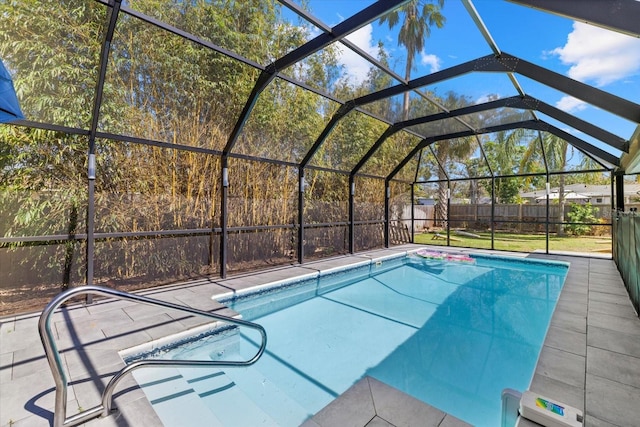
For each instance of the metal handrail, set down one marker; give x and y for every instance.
(53, 355)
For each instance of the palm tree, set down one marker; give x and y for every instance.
(417, 18)
(555, 151)
(447, 152)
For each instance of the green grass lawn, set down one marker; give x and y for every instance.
(522, 242)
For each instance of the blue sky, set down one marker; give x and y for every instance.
(602, 58)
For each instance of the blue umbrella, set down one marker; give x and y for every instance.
(9, 106)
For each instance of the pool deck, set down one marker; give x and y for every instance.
(590, 359)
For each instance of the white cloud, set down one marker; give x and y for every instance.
(568, 130)
(570, 104)
(599, 55)
(355, 67)
(572, 131)
(432, 61)
(487, 98)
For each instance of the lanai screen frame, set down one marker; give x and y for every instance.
(498, 62)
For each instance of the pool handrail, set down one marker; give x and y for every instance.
(104, 408)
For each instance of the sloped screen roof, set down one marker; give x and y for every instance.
(330, 84)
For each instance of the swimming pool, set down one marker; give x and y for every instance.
(451, 334)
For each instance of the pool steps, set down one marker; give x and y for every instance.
(206, 394)
(202, 397)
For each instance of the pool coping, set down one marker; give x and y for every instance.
(590, 359)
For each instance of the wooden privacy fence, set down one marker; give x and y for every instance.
(424, 217)
(478, 216)
(518, 212)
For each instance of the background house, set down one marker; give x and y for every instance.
(585, 193)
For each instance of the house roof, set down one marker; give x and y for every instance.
(588, 190)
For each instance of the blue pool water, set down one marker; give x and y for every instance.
(451, 334)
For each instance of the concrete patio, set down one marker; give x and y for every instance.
(590, 359)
